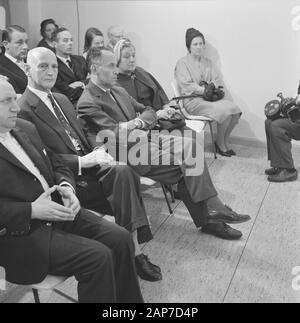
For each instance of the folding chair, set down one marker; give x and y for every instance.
(150, 182)
(191, 117)
(50, 283)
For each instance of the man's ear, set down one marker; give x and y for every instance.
(27, 69)
(4, 43)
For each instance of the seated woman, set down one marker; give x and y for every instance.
(48, 26)
(190, 72)
(139, 83)
(93, 38)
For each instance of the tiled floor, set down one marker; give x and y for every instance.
(200, 268)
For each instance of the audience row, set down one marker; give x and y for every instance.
(68, 100)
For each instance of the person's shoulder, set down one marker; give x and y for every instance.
(120, 90)
(78, 58)
(87, 96)
(62, 97)
(26, 126)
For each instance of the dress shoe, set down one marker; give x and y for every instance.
(283, 176)
(231, 152)
(146, 270)
(272, 171)
(221, 152)
(228, 217)
(221, 230)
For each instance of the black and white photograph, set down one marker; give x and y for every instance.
(149, 154)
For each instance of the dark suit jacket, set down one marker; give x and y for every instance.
(157, 97)
(15, 74)
(43, 43)
(66, 76)
(52, 133)
(24, 250)
(100, 112)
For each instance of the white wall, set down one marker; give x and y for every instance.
(253, 42)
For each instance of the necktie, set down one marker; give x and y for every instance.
(66, 125)
(70, 64)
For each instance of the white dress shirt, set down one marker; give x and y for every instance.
(65, 61)
(12, 145)
(20, 63)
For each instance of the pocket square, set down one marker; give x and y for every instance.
(44, 151)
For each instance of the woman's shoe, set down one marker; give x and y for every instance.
(231, 152)
(221, 152)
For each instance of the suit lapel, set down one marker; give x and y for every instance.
(7, 155)
(43, 113)
(14, 68)
(70, 115)
(121, 104)
(63, 68)
(37, 158)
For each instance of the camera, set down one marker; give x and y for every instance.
(283, 108)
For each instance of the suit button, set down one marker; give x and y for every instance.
(3, 232)
(35, 179)
(48, 224)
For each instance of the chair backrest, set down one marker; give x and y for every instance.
(175, 87)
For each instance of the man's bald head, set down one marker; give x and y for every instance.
(42, 68)
(114, 34)
(8, 106)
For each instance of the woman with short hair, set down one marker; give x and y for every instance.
(194, 72)
(48, 26)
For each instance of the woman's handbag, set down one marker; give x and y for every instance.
(177, 121)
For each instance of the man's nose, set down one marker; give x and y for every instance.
(15, 107)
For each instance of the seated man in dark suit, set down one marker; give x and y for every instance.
(72, 69)
(105, 107)
(12, 65)
(44, 231)
(113, 190)
(279, 134)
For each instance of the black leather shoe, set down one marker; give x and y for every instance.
(283, 176)
(228, 217)
(146, 270)
(221, 230)
(231, 152)
(221, 152)
(272, 171)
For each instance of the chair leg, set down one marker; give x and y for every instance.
(212, 139)
(166, 198)
(65, 296)
(172, 194)
(36, 295)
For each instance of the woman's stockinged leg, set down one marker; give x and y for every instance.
(234, 121)
(221, 131)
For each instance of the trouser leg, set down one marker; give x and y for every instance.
(281, 131)
(119, 188)
(100, 255)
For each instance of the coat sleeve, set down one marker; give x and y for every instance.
(146, 114)
(185, 81)
(71, 160)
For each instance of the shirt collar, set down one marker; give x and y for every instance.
(104, 90)
(41, 94)
(14, 60)
(4, 136)
(64, 59)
